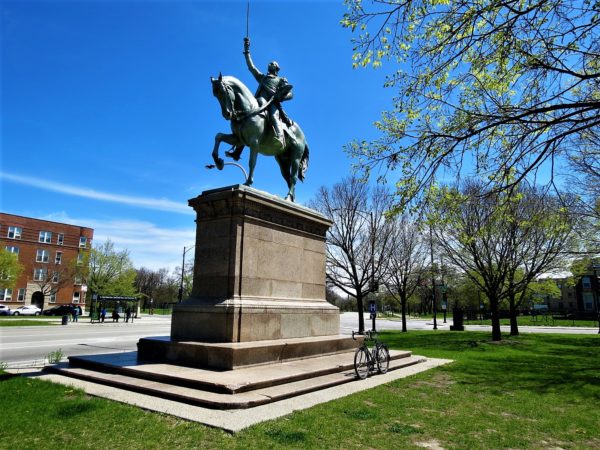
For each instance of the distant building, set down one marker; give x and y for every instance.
(577, 297)
(53, 256)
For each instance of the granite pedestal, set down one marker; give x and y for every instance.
(259, 286)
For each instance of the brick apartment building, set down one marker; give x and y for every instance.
(52, 255)
(580, 297)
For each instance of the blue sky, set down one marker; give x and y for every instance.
(108, 117)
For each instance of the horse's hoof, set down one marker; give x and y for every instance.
(233, 155)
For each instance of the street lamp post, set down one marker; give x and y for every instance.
(596, 285)
(432, 278)
(180, 293)
(443, 289)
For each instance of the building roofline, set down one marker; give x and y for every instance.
(47, 221)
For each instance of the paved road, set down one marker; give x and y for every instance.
(24, 345)
(20, 346)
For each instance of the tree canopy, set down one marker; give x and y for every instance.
(357, 242)
(10, 269)
(501, 242)
(110, 272)
(497, 89)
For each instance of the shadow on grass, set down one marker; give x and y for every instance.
(541, 363)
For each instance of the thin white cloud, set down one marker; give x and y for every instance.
(149, 245)
(160, 204)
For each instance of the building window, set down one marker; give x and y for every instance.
(80, 257)
(53, 297)
(55, 277)
(588, 301)
(40, 274)
(82, 241)
(5, 295)
(45, 237)
(21, 295)
(60, 239)
(76, 296)
(58, 258)
(14, 232)
(78, 280)
(586, 282)
(42, 256)
(12, 249)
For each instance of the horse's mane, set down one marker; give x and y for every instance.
(234, 82)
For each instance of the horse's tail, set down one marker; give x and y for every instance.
(303, 163)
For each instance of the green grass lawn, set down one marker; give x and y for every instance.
(534, 391)
(19, 321)
(539, 321)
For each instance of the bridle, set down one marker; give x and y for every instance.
(239, 116)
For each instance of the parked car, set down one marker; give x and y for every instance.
(4, 310)
(58, 310)
(28, 310)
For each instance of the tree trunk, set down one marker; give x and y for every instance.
(361, 317)
(496, 334)
(403, 303)
(514, 327)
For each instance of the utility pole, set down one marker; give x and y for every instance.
(444, 296)
(180, 293)
(432, 278)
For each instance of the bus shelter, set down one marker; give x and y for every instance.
(113, 304)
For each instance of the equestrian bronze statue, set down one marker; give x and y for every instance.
(258, 122)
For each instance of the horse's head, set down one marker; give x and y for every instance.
(225, 95)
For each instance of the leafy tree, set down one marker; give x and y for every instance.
(357, 242)
(541, 289)
(540, 232)
(10, 269)
(158, 285)
(503, 88)
(501, 242)
(59, 275)
(407, 260)
(110, 272)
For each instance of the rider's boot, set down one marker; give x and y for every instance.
(279, 133)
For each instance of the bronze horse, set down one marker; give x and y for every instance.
(250, 127)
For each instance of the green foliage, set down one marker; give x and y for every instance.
(500, 240)
(110, 272)
(55, 357)
(10, 269)
(502, 87)
(540, 289)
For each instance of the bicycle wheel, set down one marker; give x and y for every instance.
(383, 358)
(361, 363)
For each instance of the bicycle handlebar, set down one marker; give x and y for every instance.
(369, 334)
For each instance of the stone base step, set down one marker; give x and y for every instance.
(178, 387)
(222, 381)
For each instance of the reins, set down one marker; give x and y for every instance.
(252, 112)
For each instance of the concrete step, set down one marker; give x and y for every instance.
(220, 400)
(227, 382)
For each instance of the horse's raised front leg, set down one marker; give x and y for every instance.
(227, 138)
(251, 166)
